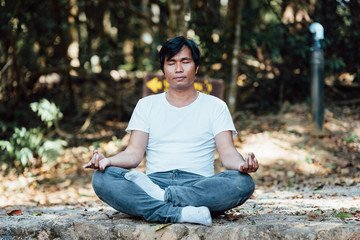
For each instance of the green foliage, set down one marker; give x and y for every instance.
(21, 145)
(274, 51)
(351, 137)
(336, 64)
(47, 111)
(51, 149)
(24, 145)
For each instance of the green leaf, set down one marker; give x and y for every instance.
(343, 215)
(319, 211)
(352, 137)
(25, 155)
(308, 160)
(162, 226)
(5, 145)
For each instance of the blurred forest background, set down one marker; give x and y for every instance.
(71, 72)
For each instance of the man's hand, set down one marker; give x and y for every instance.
(98, 161)
(250, 164)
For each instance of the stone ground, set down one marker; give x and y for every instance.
(272, 213)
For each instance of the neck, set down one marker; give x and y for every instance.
(181, 98)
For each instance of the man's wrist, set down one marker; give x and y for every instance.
(109, 161)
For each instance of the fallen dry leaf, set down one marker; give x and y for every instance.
(14, 212)
(232, 216)
(268, 210)
(313, 216)
(300, 213)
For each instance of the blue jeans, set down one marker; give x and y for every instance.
(219, 193)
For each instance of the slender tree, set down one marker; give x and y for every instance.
(232, 96)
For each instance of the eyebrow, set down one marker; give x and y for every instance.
(183, 59)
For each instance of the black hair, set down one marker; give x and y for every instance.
(174, 45)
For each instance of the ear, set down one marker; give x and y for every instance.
(196, 70)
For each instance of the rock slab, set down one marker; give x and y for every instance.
(108, 224)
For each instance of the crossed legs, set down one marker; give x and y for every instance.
(124, 190)
(191, 214)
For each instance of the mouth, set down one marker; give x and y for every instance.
(179, 78)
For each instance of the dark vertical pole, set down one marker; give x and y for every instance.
(317, 77)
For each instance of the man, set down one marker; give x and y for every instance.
(179, 130)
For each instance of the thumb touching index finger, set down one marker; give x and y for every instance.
(87, 165)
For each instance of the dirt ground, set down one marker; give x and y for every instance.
(301, 173)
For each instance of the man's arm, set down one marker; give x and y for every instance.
(231, 158)
(131, 157)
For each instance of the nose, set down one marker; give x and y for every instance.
(179, 68)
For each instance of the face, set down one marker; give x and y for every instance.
(180, 70)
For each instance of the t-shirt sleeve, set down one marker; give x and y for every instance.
(223, 121)
(139, 120)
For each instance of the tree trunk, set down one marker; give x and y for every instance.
(64, 44)
(183, 8)
(172, 19)
(232, 96)
(177, 12)
(17, 81)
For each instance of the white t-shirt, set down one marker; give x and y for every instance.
(181, 138)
